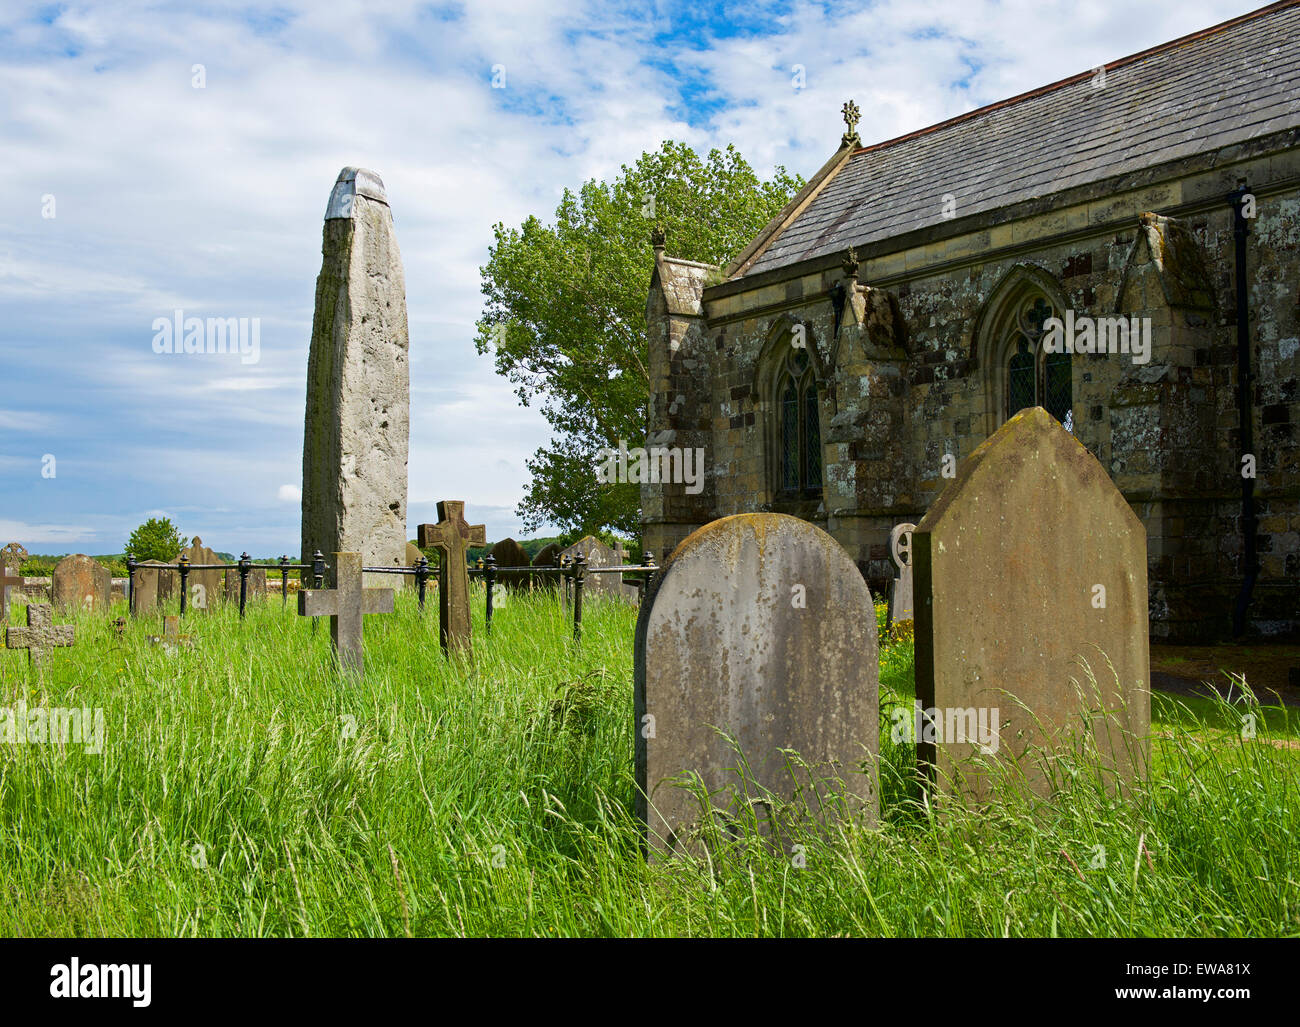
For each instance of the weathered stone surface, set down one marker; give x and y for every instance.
(13, 556)
(509, 553)
(345, 605)
(1010, 563)
(10, 582)
(155, 583)
(82, 583)
(413, 555)
(40, 635)
(452, 535)
(900, 588)
(759, 625)
(256, 584)
(204, 587)
(600, 586)
(358, 384)
(547, 556)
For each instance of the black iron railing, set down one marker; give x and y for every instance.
(572, 575)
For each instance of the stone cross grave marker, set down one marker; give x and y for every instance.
(900, 588)
(40, 635)
(171, 638)
(345, 605)
(1029, 564)
(78, 582)
(453, 536)
(7, 582)
(14, 556)
(761, 626)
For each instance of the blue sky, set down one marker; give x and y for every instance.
(210, 200)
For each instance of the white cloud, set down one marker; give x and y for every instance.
(289, 494)
(212, 200)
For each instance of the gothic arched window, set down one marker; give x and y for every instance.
(799, 443)
(1033, 376)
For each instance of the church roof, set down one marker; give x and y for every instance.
(1225, 85)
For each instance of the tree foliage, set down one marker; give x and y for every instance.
(156, 539)
(564, 315)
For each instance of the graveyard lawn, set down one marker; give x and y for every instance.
(242, 790)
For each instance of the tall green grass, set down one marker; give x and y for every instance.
(245, 790)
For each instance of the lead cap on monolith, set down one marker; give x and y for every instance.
(351, 183)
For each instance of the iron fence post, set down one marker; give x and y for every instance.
(284, 581)
(245, 565)
(185, 577)
(130, 583)
(579, 569)
(422, 577)
(490, 576)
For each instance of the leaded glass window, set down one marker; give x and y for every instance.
(1020, 379)
(790, 436)
(799, 422)
(1034, 377)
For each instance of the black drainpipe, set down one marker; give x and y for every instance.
(1245, 419)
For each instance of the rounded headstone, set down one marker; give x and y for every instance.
(509, 553)
(80, 583)
(761, 626)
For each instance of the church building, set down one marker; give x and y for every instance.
(1121, 247)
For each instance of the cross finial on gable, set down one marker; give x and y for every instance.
(851, 118)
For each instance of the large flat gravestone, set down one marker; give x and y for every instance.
(40, 635)
(357, 422)
(82, 583)
(155, 582)
(509, 553)
(603, 586)
(901, 606)
(453, 536)
(1029, 562)
(345, 605)
(256, 584)
(759, 625)
(204, 587)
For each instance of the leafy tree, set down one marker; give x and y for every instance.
(564, 314)
(156, 539)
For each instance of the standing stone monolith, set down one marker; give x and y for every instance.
(760, 626)
(78, 582)
(358, 384)
(1031, 605)
(901, 593)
